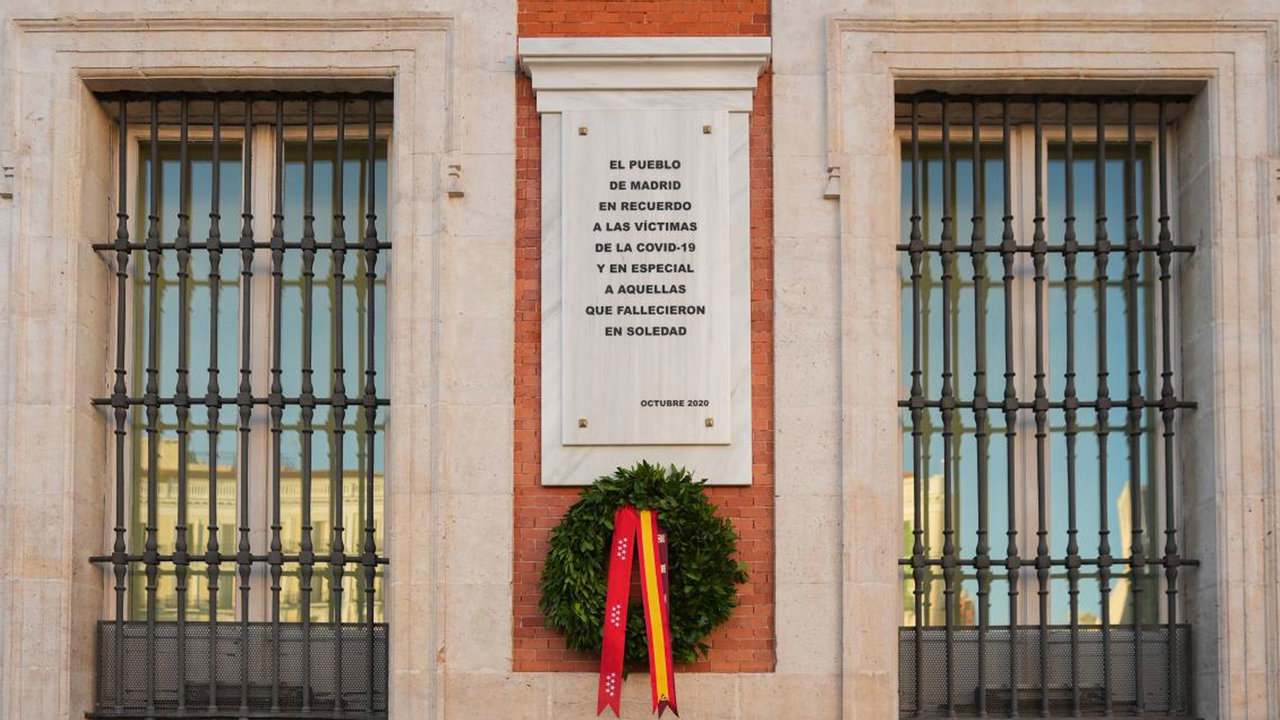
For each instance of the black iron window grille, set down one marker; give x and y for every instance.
(247, 407)
(1041, 551)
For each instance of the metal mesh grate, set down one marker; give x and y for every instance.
(1105, 685)
(185, 673)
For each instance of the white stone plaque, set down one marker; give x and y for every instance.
(645, 268)
(646, 253)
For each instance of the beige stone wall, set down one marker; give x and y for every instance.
(451, 66)
(837, 284)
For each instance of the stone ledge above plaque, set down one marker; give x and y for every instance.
(646, 237)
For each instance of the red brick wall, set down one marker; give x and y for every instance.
(746, 642)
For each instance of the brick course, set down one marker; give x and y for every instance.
(746, 642)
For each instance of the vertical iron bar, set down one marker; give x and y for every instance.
(338, 411)
(182, 397)
(120, 396)
(1013, 564)
(1133, 254)
(1039, 250)
(981, 429)
(928, 430)
(1168, 409)
(151, 400)
(306, 558)
(275, 400)
(1102, 255)
(947, 398)
(369, 558)
(212, 553)
(244, 399)
(917, 411)
(1071, 402)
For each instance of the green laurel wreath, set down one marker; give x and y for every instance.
(701, 570)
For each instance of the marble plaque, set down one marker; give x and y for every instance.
(646, 272)
(646, 301)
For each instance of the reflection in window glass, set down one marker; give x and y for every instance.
(1091, 503)
(348, 465)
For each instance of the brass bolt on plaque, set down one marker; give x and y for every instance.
(582, 130)
(711, 422)
(706, 129)
(582, 422)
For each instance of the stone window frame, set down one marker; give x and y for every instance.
(62, 206)
(1227, 148)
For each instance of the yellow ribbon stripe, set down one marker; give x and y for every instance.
(649, 569)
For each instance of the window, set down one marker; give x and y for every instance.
(248, 407)
(1039, 408)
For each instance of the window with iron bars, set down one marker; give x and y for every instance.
(1040, 399)
(248, 405)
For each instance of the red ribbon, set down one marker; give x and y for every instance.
(637, 532)
(625, 522)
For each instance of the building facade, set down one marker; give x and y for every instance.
(298, 317)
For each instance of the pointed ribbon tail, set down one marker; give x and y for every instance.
(653, 587)
(621, 552)
(665, 597)
(666, 619)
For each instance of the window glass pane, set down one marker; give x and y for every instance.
(349, 464)
(203, 461)
(1088, 329)
(960, 320)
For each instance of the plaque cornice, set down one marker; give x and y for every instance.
(564, 69)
